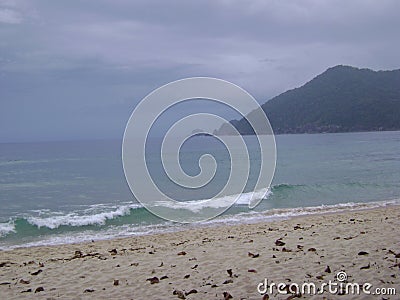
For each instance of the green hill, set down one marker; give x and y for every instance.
(341, 99)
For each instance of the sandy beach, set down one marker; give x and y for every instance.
(216, 263)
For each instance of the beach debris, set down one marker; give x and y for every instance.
(249, 241)
(312, 249)
(278, 242)
(273, 256)
(336, 238)
(24, 281)
(251, 271)
(182, 253)
(193, 258)
(348, 238)
(163, 277)
(180, 243)
(8, 263)
(39, 289)
(37, 272)
(265, 297)
(116, 282)
(363, 253)
(227, 296)
(186, 276)
(41, 265)
(5, 283)
(78, 254)
(193, 291)
(328, 269)
(394, 253)
(297, 227)
(228, 281)
(162, 263)
(179, 293)
(88, 291)
(286, 250)
(320, 277)
(366, 267)
(27, 291)
(113, 251)
(253, 255)
(229, 271)
(300, 247)
(135, 264)
(194, 267)
(153, 280)
(214, 286)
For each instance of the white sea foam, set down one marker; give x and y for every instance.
(87, 217)
(7, 228)
(197, 205)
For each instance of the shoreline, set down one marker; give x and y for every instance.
(271, 215)
(196, 262)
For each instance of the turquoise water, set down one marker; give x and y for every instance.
(62, 192)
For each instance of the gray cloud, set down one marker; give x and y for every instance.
(77, 68)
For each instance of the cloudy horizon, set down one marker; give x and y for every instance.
(76, 69)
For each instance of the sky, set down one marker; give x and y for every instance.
(77, 69)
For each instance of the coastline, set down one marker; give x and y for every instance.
(194, 263)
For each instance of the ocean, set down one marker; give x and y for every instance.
(74, 191)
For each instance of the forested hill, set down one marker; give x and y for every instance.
(341, 99)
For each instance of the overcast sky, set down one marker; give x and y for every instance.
(76, 69)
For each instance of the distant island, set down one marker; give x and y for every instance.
(341, 99)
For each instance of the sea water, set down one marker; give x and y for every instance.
(73, 191)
